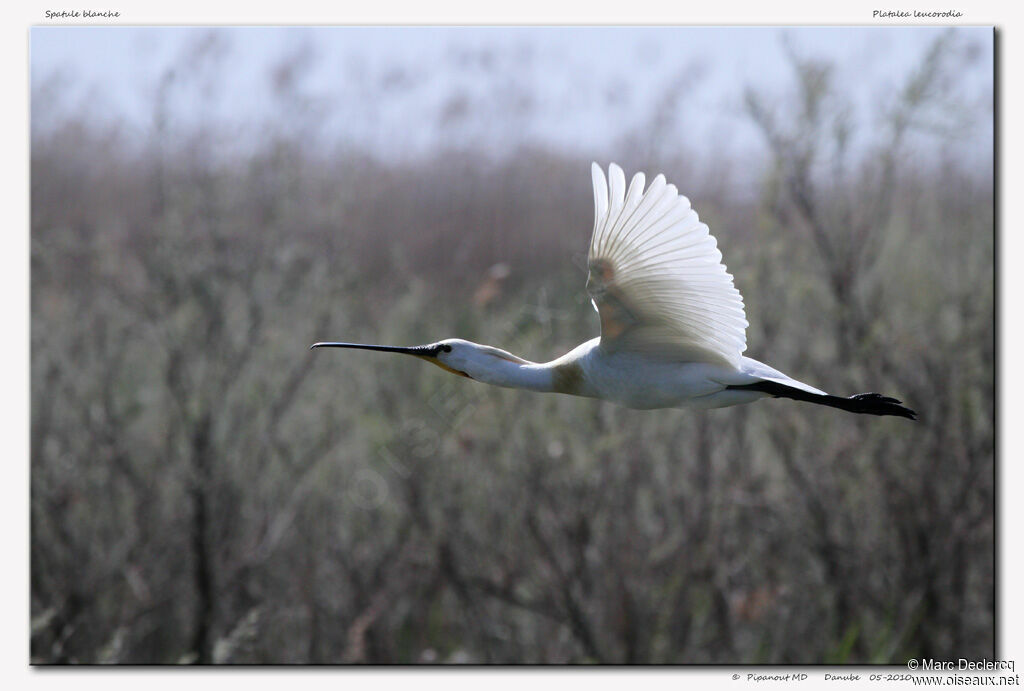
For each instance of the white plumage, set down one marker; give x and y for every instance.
(673, 327)
(656, 275)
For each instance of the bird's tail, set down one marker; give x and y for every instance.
(865, 403)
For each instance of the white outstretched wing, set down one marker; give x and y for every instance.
(656, 275)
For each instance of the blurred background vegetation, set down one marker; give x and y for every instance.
(204, 489)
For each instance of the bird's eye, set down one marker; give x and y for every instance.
(446, 348)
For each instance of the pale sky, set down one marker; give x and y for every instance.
(404, 91)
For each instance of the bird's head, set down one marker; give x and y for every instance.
(465, 358)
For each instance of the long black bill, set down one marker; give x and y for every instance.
(423, 350)
(429, 352)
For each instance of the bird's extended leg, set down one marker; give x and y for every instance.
(865, 403)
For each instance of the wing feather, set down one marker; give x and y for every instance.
(656, 275)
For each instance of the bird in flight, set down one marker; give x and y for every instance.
(673, 327)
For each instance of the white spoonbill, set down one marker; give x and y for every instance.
(673, 329)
